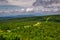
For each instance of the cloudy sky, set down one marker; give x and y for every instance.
(27, 3)
(17, 2)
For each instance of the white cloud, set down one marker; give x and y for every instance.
(17, 2)
(22, 10)
(29, 9)
(54, 4)
(32, 9)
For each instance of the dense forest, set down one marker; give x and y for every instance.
(31, 28)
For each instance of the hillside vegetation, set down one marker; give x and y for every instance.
(31, 28)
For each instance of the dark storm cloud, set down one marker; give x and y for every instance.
(3, 1)
(45, 2)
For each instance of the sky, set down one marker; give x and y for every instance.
(17, 2)
(28, 4)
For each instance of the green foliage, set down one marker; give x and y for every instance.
(31, 28)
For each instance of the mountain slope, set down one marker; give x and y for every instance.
(31, 28)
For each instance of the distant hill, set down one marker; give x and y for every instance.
(17, 16)
(31, 17)
(26, 15)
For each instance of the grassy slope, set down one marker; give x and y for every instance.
(31, 28)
